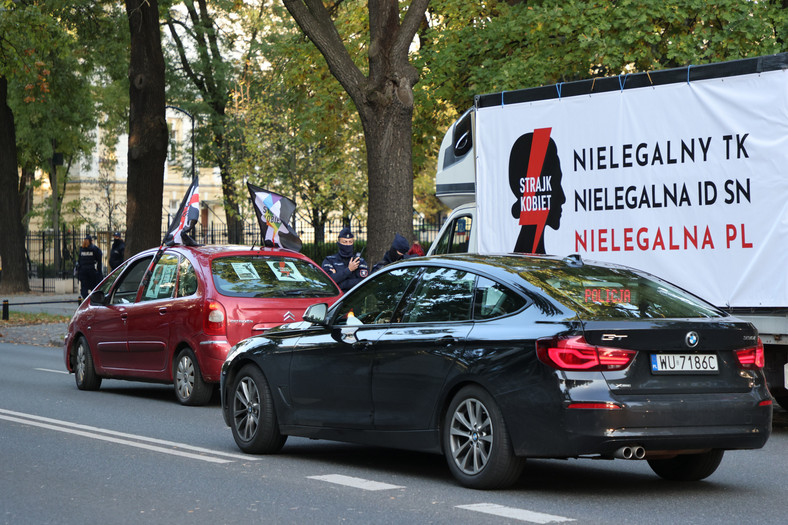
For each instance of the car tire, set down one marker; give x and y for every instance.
(476, 442)
(190, 388)
(782, 400)
(687, 467)
(84, 370)
(254, 423)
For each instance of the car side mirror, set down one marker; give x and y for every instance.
(316, 314)
(99, 298)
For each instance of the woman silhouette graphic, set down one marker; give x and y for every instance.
(535, 180)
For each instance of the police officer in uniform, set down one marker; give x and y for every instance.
(117, 252)
(346, 267)
(399, 247)
(88, 266)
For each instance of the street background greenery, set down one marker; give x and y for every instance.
(269, 109)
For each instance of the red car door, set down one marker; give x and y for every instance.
(106, 329)
(150, 319)
(106, 335)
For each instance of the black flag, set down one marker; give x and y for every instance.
(274, 213)
(186, 218)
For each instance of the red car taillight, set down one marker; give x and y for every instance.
(215, 322)
(751, 358)
(574, 353)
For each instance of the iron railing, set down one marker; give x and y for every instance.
(51, 255)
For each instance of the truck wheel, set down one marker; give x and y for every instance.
(782, 400)
(687, 467)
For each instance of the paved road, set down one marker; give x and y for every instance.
(130, 454)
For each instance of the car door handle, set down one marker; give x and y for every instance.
(124, 316)
(163, 310)
(362, 345)
(447, 340)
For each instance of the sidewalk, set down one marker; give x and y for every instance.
(50, 334)
(55, 304)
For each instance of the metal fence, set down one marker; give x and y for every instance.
(51, 255)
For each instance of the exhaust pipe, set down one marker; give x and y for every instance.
(631, 452)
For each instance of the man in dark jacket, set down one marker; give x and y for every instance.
(398, 249)
(88, 266)
(346, 268)
(117, 252)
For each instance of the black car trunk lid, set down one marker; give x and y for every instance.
(676, 356)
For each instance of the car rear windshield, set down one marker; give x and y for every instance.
(597, 292)
(270, 276)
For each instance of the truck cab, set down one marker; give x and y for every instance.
(455, 186)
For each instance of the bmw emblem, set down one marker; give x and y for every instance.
(692, 339)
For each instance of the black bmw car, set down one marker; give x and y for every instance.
(490, 360)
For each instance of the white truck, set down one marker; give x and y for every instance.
(681, 172)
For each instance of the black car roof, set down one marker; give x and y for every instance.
(509, 263)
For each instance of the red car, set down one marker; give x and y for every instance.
(179, 325)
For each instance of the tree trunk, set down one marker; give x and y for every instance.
(232, 210)
(384, 101)
(12, 236)
(26, 194)
(390, 177)
(148, 134)
(55, 204)
(319, 225)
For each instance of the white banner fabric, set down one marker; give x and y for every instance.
(687, 181)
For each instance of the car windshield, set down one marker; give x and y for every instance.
(270, 276)
(617, 293)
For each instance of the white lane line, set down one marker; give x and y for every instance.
(88, 431)
(50, 370)
(358, 483)
(514, 513)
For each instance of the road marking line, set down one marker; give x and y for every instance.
(53, 371)
(358, 483)
(514, 513)
(85, 430)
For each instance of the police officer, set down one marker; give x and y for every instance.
(345, 267)
(88, 266)
(117, 252)
(399, 247)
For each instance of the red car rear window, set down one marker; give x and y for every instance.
(270, 276)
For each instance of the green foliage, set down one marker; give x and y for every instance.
(61, 61)
(495, 46)
(294, 129)
(269, 110)
(473, 48)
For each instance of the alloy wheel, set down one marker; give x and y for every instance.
(184, 377)
(471, 436)
(246, 408)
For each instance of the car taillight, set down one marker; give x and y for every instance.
(595, 406)
(215, 319)
(574, 353)
(751, 358)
